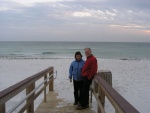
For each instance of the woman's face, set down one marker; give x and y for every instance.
(78, 57)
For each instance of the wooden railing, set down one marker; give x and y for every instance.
(31, 91)
(102, 87)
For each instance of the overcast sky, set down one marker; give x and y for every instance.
(75, 20)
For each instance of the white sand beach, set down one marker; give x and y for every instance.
(130, 78)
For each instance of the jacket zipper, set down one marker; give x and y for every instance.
(77, 71)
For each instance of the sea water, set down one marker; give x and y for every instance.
(46, 50)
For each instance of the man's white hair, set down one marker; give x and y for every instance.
(88, 49)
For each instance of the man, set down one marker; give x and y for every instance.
(88, 71)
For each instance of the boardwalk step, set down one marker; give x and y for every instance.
(57, 105)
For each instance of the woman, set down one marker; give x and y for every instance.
(75, 73)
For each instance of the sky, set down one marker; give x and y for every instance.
(75, 20)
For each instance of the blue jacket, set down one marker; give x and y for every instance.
(75, 70)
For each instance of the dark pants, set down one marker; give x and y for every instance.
(85, 92)
(77, 90)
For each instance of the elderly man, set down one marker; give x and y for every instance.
(88, 71)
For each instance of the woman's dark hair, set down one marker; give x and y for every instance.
(78, 53)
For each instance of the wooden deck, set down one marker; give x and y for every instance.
(57, 105)
(101, 88)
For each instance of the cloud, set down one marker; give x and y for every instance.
(64, 18)
(81, 14)
(147, 31)
(131, 26)
(32, 2)
(3, 8)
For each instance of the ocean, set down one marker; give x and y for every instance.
(49, 50)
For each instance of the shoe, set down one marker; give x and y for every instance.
(80, 108)
(87, 106)
(75, 103)
(79, 104)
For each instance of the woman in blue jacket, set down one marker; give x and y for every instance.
(75, 73)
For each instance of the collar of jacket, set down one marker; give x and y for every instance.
(78, 60)
(89, 56)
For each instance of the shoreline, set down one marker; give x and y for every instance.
(30, 58)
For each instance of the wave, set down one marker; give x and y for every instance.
(75, 49)
(35, 58)
(134, 59)
(44, 53)
(62, 57)
(127, 59)
(50, 55)
(13, 55)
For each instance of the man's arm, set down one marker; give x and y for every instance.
(94, 68)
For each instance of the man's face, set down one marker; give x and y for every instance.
(87, 52)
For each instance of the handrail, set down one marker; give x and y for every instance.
(103, 89)
(17, 105)
(29, 85)
(98, 102)
(22, 84)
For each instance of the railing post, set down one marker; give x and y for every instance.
(99, 97)
(107, 76)
(96, 88)
(51, 87)
(2, 108)
(93, 87)
(116, 111)
(45, 77)
(29, 89)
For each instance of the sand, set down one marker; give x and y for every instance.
(130, 78)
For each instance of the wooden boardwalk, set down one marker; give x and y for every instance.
(102, 85)
(57, 105)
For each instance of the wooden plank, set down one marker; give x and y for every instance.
(2, 108)
(10, 92)
(45, 84)
(29, 89)
(35, 96)
(125, 106)
(55, 104)
(51, 84)
(100, 106)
